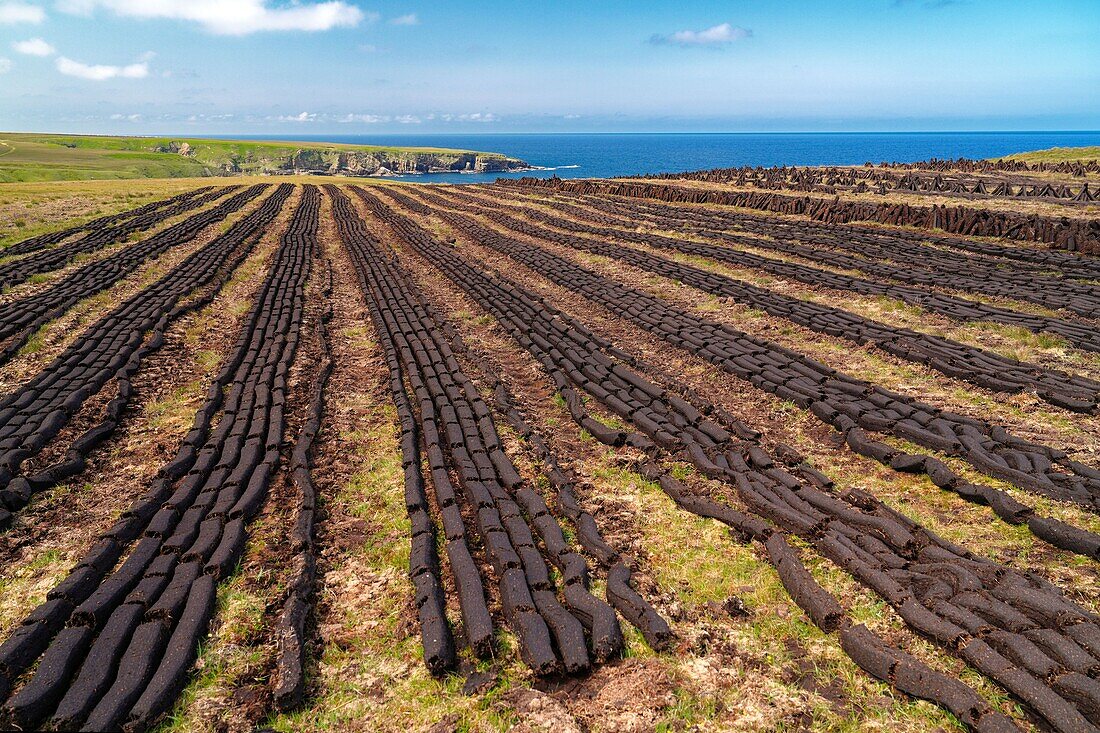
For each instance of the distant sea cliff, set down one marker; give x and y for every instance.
(50, 157)
(276, 159)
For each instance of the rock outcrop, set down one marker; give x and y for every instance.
(346, 161)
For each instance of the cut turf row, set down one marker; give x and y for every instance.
(862, 180)
(290, 628)
(19, 320)
(42, 241)
(1077, 235)
(620, 590)
(114, 645)
(1064, 263)
(989, 370)
(851, 405)
(910, 264)
(478, 491)
(887, 552)
(111, 349)
(702, 224)
(906, 257)
(987, 265)
(13, 273)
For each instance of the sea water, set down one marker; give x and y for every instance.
(577, 155)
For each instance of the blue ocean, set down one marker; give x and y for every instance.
(618, 154)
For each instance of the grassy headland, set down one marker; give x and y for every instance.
(27, 157)
(1056, 155)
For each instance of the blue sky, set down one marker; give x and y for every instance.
(422, 66)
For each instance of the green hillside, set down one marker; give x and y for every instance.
(1056, 155)
(45, 157)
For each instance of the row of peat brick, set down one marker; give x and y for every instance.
(20, 319)
(112, 348)
(41, 241)
(884, 550)
(477, 492)
(19, 270)
(1075, 235)
(115, 641)
(1080, 334)
(987, 369)
(853, 406)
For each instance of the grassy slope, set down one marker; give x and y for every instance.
(27, 160)
(28, 157)
(29, 209)
(1057, 155)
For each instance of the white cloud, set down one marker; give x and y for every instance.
(20, 12)
(5, 65)
(128, 118)
(34, 47)
(376, 119)
(472, 117)
(233, 17)
(301, 117)
(369, 119)
(210, 118)
(717, 35)
(408, 19)
(101, 72)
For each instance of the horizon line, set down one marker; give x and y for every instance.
(245, 135)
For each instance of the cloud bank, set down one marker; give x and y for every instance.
(378, 119)
(232, 17)
(722, 34)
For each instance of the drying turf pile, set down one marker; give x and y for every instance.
(1076, 235)
(968, 178)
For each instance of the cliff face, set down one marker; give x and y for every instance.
(367, 163)
(340, 161)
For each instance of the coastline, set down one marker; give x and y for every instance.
(27, 157)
